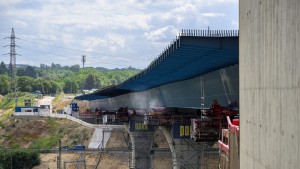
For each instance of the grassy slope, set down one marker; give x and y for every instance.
(42, 133)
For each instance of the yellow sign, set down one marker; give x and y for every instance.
(141, 126)
(185, 131)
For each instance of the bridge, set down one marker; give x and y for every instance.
(196, 68)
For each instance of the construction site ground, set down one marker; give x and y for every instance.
(24, 133)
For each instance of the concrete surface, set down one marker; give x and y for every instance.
(46, 100)
(99, 138)
(269, 84)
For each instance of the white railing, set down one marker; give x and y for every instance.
(54, 115)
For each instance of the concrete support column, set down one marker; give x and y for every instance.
(185, 152)
(172, 147)
(132, 140)
(269, 47)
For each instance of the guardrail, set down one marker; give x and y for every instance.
(54, 115)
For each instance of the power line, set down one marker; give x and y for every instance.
(128, 41)
(78, 50)
(66, 57)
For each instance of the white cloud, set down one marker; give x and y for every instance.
(235, 24)
(211, 14)
(110, 41)
(20, 23)
(132, 28)
(9, 2)
(162, 34)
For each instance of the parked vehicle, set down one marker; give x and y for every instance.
(77, 147)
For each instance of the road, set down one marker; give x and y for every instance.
(46, 100)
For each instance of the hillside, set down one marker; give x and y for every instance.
(41, 132)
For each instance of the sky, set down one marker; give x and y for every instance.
(111, 33)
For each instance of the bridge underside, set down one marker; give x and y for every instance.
(198, 64)
(221, 85)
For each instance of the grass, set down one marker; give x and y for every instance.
(46, 142)
(57, 98)
(52, 124)
(15, 145)
(49, 141)
(1, 125)
(8, 101)
(8, 114)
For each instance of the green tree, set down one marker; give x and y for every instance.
(21, 159)
(71, 86)
(21, 71)
(4, 84)
(24, 83)
(54, 88)
(47, 86)
(90, 82)
(3, 69)
(30, 71)
(55, 66)
(75, 68)
(38, 85)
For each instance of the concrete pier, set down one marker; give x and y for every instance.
(269, 84)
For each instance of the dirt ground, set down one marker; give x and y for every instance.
(107, 161)
(121, 161)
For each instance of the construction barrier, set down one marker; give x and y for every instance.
(229, 146)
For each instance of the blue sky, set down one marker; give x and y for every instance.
(111, 33)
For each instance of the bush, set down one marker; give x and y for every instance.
(21, 159)
(46, 142)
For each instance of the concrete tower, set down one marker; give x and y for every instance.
(269, 84)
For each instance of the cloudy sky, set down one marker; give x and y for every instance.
(111, 33)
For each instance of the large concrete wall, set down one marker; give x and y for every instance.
(269, 84)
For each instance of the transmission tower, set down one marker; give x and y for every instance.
(12, 64)
(83, 60)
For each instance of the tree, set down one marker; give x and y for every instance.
(54, 88)
(30, 71)
(98, 84)
(21, 71)
(3, 68)
(37, 84)
(90, 82)
(75, 68)
(21, 158)
(71, 86)
(55, 66)
(24, 83)
(4, 84)
(43, 66)
(47, 86)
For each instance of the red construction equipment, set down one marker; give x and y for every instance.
(209, 126)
